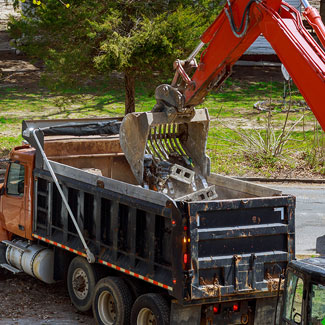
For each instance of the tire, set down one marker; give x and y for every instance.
(112, 302)
(81, 282)
(136, 287)
(150, 308)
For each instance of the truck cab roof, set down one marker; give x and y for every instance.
(312, 267)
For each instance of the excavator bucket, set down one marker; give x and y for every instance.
(167, 156)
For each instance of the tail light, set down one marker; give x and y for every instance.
(235, 307)
(185, 258)
(185, 246)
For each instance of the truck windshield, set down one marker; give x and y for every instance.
(293, 299)
(317, 305)
(15, 182)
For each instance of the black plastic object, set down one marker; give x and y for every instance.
(78, 129)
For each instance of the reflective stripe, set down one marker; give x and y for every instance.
(139, 276)
(59, 245)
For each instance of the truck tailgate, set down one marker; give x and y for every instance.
(239, 246)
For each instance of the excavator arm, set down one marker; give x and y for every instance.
(235, 29)
(169, 143)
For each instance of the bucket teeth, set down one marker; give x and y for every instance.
(175, 133)
(162, 141)
(170, 138)
(164, 145)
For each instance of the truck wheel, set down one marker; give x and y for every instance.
(135, 286)
(81, 280)
(150, 308)
(112, 302)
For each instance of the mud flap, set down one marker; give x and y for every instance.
(265, 311)
(184, 315)
(3, 248)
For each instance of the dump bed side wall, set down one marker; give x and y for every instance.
(231, 188)
(234, 245)
(132, 235)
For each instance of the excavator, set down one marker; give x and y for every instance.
(147, 136)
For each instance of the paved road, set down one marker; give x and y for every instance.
(310, 214)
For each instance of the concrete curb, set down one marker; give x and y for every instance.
(303, 256)
(281, 180)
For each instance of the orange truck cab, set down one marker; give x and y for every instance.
(16, 195)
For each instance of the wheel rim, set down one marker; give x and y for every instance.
(146, 317)
(107, 308)
(80, 283)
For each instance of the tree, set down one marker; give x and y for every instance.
(131, 36)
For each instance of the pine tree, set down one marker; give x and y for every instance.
(130, 36)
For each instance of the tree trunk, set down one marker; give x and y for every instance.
(129, 81)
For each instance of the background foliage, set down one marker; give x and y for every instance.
(93, 38)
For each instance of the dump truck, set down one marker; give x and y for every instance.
(203, 260)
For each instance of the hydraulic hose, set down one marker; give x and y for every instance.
(244, 22)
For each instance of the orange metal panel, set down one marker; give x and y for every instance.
(301, 55)
(281, 25)
(16, 211)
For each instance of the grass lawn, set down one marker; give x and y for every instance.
(234, 123)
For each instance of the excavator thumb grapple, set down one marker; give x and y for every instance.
(168, 154)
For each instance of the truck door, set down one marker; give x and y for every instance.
(294, 297)
(13, 201)
(317, 305)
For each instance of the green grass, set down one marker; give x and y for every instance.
(232, 105)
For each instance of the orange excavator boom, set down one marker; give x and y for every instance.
(235, 29)
(174, 117)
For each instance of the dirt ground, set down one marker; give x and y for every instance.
(25, 300)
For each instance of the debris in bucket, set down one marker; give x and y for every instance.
(169, 156)
(175, 180)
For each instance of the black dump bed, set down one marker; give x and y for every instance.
(231, 245)
(236, 246)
